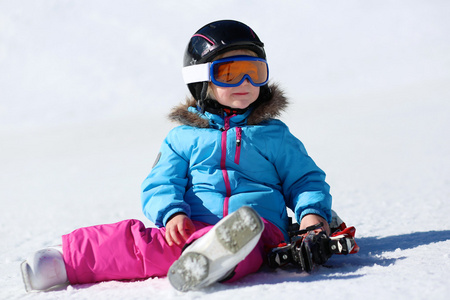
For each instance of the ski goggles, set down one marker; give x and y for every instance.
(229, 72)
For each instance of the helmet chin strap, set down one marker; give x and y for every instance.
(214, 107)
(201, 103)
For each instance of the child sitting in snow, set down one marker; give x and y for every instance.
(220, 188)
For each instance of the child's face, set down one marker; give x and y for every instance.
(239, 96)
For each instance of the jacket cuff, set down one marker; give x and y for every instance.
(312, 211)
(173, 211)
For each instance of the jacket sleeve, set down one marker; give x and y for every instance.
(303, 182)
(164, 188)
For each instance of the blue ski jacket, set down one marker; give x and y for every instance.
(212, 165)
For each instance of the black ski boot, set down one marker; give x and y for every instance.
(309, 248)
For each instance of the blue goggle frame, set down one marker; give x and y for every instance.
(215, 63)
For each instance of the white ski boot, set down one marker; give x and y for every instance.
(44, 270)
(214, 255)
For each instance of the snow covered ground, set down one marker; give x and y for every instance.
(85, 86)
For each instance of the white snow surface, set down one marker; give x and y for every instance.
(85, 87)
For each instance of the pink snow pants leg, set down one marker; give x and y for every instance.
(121, 251)
(128, 251)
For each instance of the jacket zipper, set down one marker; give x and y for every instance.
(223, 166)
(223, 160)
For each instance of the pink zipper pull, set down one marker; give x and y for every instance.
(237, 156)
(238, 136)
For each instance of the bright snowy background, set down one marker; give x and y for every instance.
(85, 86)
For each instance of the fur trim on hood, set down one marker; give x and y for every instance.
(265, 111)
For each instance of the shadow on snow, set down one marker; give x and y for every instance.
(344, 266)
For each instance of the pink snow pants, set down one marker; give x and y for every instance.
(127, 250)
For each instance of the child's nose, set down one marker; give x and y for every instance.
(246, 82)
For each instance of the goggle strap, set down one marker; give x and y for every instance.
(200, 72)
(196, 73)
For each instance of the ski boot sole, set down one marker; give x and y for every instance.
(214, 255)
(189, 271)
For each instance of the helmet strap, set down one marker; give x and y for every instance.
(201, 103)
(214, 107)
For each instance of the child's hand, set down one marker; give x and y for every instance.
(310, 220)
(178, 229)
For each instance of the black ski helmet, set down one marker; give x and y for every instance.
(214, 39)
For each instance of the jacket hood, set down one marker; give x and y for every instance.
(266, 110)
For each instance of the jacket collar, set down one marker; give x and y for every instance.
(188, 114)
(218, 122)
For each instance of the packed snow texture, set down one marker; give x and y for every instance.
(85, 87)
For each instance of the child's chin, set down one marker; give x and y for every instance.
(241, 104)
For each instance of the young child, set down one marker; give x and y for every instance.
(219, 189)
